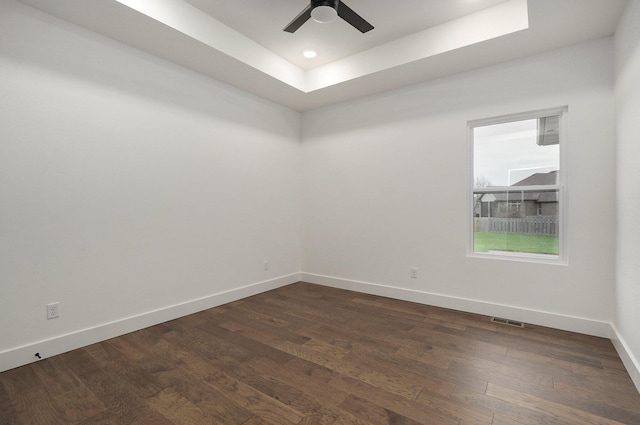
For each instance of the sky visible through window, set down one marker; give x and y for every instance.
(505, 154)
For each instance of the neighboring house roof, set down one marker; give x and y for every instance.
(537, 179)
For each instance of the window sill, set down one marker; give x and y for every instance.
(520, 256)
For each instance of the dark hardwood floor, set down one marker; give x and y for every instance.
(307, 354)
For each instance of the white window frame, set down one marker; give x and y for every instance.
(561, 187)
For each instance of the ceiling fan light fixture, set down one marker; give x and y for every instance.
(324, 14)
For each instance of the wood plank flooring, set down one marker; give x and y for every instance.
(307, 354)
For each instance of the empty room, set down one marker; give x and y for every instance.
(319, 212)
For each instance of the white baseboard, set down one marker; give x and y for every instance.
(534, 317)
(630, 362)
(20, 356)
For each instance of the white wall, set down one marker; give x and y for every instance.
(385, 183)
(627, 313)
(129, 186)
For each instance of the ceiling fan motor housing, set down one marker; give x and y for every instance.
(330, 3)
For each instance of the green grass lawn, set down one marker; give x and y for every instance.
(535, 244)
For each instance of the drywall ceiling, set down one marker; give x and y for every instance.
(263, 21)
(241, 42)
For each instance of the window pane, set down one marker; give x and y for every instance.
(517, 153)
(522, 221)
(516, 186)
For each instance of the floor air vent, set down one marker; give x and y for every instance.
(507, 322)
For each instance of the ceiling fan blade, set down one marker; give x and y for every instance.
(297, 22)
(353, 18)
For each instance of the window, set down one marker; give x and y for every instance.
(517, 186)
(514, 209)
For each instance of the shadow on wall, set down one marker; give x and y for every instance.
(46, 42)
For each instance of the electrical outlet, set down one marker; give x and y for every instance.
(265, 265)
(414, 273)
(53, 310)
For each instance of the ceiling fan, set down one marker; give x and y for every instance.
(326, 11)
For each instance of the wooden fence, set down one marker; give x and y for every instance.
(533, 225)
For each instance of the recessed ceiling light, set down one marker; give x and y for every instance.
(309, 54)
